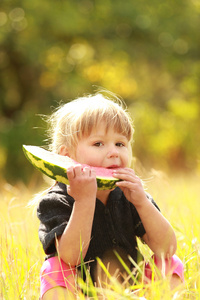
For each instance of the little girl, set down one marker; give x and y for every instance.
(79, 221)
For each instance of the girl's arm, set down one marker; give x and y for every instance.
(77, 234)
(159, 236)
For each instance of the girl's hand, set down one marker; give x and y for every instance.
(82, 183)
(131, 185)
(159, 236)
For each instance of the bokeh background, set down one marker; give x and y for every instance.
(148, 52)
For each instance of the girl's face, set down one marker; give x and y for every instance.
(108, 149)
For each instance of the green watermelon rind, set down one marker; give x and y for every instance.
(59, 173)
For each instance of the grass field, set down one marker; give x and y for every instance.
(22, 255)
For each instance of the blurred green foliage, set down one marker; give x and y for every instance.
(146, 52)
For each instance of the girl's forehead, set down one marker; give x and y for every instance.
(102, 129)
(99, 127)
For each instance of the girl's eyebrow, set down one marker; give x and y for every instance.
(100, 136)
(97, 135)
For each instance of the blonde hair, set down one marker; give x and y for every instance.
(75, 119)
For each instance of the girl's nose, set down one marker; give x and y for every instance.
(113, 152)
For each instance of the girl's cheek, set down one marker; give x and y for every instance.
(130, 156)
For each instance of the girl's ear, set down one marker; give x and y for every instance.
(63, 150)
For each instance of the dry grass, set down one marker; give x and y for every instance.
(22, 255)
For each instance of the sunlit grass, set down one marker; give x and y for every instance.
(22, 256)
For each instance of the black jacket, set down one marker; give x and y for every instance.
(115, 226)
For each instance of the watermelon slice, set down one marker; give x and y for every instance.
(55, 166)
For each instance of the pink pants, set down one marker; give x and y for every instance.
(55, 272)
(165, 267)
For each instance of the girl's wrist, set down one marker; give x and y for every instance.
(142, 203)
(85, 203)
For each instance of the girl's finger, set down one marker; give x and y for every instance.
(86, 171)
(126, 177)
(120, 172)
(70, 173)
(126, 184)
(78, 170)
(93, 172)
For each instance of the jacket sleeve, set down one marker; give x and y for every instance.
(53, 211)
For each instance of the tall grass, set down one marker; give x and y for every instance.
(22, 256)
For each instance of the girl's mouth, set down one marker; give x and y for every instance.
(113, 167)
